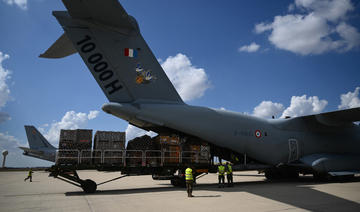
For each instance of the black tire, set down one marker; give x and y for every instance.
(279, 174)
(174, 182)
(291, 174)
(178, 182)
(89, 186)
(272, 174)
(321, 177)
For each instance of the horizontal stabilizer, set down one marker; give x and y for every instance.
(108, 12)
(63, 47)
(49, 156)
(28, 150)
(340, 117)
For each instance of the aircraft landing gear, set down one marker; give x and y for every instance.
(281, 173)
(178, 181)
(88, 186)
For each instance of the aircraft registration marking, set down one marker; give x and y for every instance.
(243, 133)
(100, 66)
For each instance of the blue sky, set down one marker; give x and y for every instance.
(258, 57)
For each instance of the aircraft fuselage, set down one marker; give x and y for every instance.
(269, 141)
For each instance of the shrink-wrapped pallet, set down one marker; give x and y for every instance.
(141, 149)
(73, 145)
(111, 145)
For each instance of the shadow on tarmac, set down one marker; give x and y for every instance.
(299, 193)
(197, 196)
(126, 191)
(249, 175)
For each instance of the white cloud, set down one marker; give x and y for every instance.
(20, 3)
(71, 120)
(350, 99)
(350, 35)
(4, 117)
(331, 10)
(4, 76)
(8, 142)
(317, 27)
(133, 132)
(189, 81)
(267, 109)
(253, 47)
(93, 114)
(301, 106)
(262, 27)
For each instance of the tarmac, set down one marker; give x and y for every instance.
(251, 192)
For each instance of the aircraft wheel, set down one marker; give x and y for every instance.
(322, 177)
(291, 174)
(175, 182)
(89, 186)
(272, 174)
(277, 174)
(178, 182)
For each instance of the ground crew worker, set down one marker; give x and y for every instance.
(189, 181)
(221, 170)
(229, 174)
(29, 176)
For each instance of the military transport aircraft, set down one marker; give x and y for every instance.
(111, 45)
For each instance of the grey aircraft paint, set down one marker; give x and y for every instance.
(111, 45)
(39, 146)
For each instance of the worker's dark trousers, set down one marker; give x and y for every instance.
(230, 179)
(221, 180)
(29, 177)
(189, 187)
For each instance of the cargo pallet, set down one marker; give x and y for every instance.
(162, 165)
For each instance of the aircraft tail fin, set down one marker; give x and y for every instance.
(36, 139)
(110, 43)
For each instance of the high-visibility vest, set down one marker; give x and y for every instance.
(188, 174)
(221, 170)
(229, 169)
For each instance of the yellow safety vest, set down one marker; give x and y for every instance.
(188, 174)
(229, 170)
(221, 170)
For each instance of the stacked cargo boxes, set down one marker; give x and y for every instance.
(195, 151)
(170, 146)
(200, 153)
(111, 145)
(178, 149)
(73, 144)
(140, 148)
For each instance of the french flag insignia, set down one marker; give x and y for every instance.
(130, 52)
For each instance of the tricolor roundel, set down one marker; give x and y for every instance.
(258, 133)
